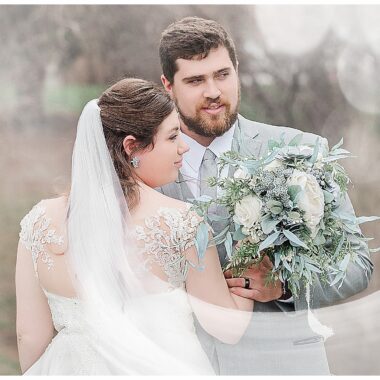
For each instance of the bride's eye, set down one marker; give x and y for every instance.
(173, 137)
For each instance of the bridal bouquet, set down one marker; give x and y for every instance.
(286, 206)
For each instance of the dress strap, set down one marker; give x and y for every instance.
(36, 233)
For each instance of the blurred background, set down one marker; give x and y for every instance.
(312, 67)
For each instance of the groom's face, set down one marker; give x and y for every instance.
(206, 92)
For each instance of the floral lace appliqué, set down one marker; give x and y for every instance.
(166, 236)
(35, 233)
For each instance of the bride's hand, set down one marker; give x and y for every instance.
(256, 275)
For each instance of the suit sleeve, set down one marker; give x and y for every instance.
(357, 277)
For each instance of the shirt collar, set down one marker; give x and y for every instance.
(219, 145)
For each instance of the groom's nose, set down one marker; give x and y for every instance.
(211, 90)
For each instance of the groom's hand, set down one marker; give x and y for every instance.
(258, 290)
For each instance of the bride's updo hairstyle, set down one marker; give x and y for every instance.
(132, 107)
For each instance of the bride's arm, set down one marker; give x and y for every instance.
(34, 323)
(221, 313)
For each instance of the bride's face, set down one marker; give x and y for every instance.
(160, 165)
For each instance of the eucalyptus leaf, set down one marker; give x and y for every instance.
(269, 241)
(319, 239)
(337, 278)
(274, 206)
(340, 152)
(313, 268)
(335, 158)
(202, 239)
(365, 219)
(328, 196)
(272, 144)
(228, 244)
(340, 143)
(274, 203)
(238, 234)
(218, 239)
(276, 210)
(293, 191)
(269, 158)
(268, 224)
(302, 264)
(315, 151)
(277, 259)
(294, 215)
(345, 216)
(286, 265)
(341, 241)
(296, 140)
(294, 239)
(350, 228)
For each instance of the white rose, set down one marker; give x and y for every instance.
(247, 211)
(241, 173)
(310, 199)
(276, 163)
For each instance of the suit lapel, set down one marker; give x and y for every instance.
(245, 141)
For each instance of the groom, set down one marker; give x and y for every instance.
(200, 71)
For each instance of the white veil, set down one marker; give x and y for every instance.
(107, 272)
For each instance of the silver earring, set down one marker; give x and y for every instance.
(135, 162)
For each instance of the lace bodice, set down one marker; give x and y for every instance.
(165, 236)
(162, 237)
(36, 234)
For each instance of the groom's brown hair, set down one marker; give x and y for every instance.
(189, 38)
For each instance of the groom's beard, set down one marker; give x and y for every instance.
(211, 125)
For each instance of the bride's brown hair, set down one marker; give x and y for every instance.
(132, 107)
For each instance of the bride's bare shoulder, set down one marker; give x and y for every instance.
(56, 208)
(168, 202)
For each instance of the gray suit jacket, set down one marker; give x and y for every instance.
(251, 357)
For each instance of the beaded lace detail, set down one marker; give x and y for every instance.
(166, 236)
(35, 234)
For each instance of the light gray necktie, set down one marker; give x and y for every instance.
(208, 169)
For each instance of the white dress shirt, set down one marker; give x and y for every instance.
(193, 158)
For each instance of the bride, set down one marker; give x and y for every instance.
(109, 278)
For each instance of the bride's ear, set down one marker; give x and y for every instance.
(129, 143)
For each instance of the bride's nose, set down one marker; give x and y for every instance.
(182, 147)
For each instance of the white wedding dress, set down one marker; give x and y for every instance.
(75, 349)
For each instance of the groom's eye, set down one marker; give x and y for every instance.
(194, 81)
(223, 74)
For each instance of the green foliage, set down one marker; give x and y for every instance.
(300, 252)
(70, 98)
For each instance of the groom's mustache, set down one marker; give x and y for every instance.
(217, 102)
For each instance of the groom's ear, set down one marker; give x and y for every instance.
(129, 144)
(167, 85)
